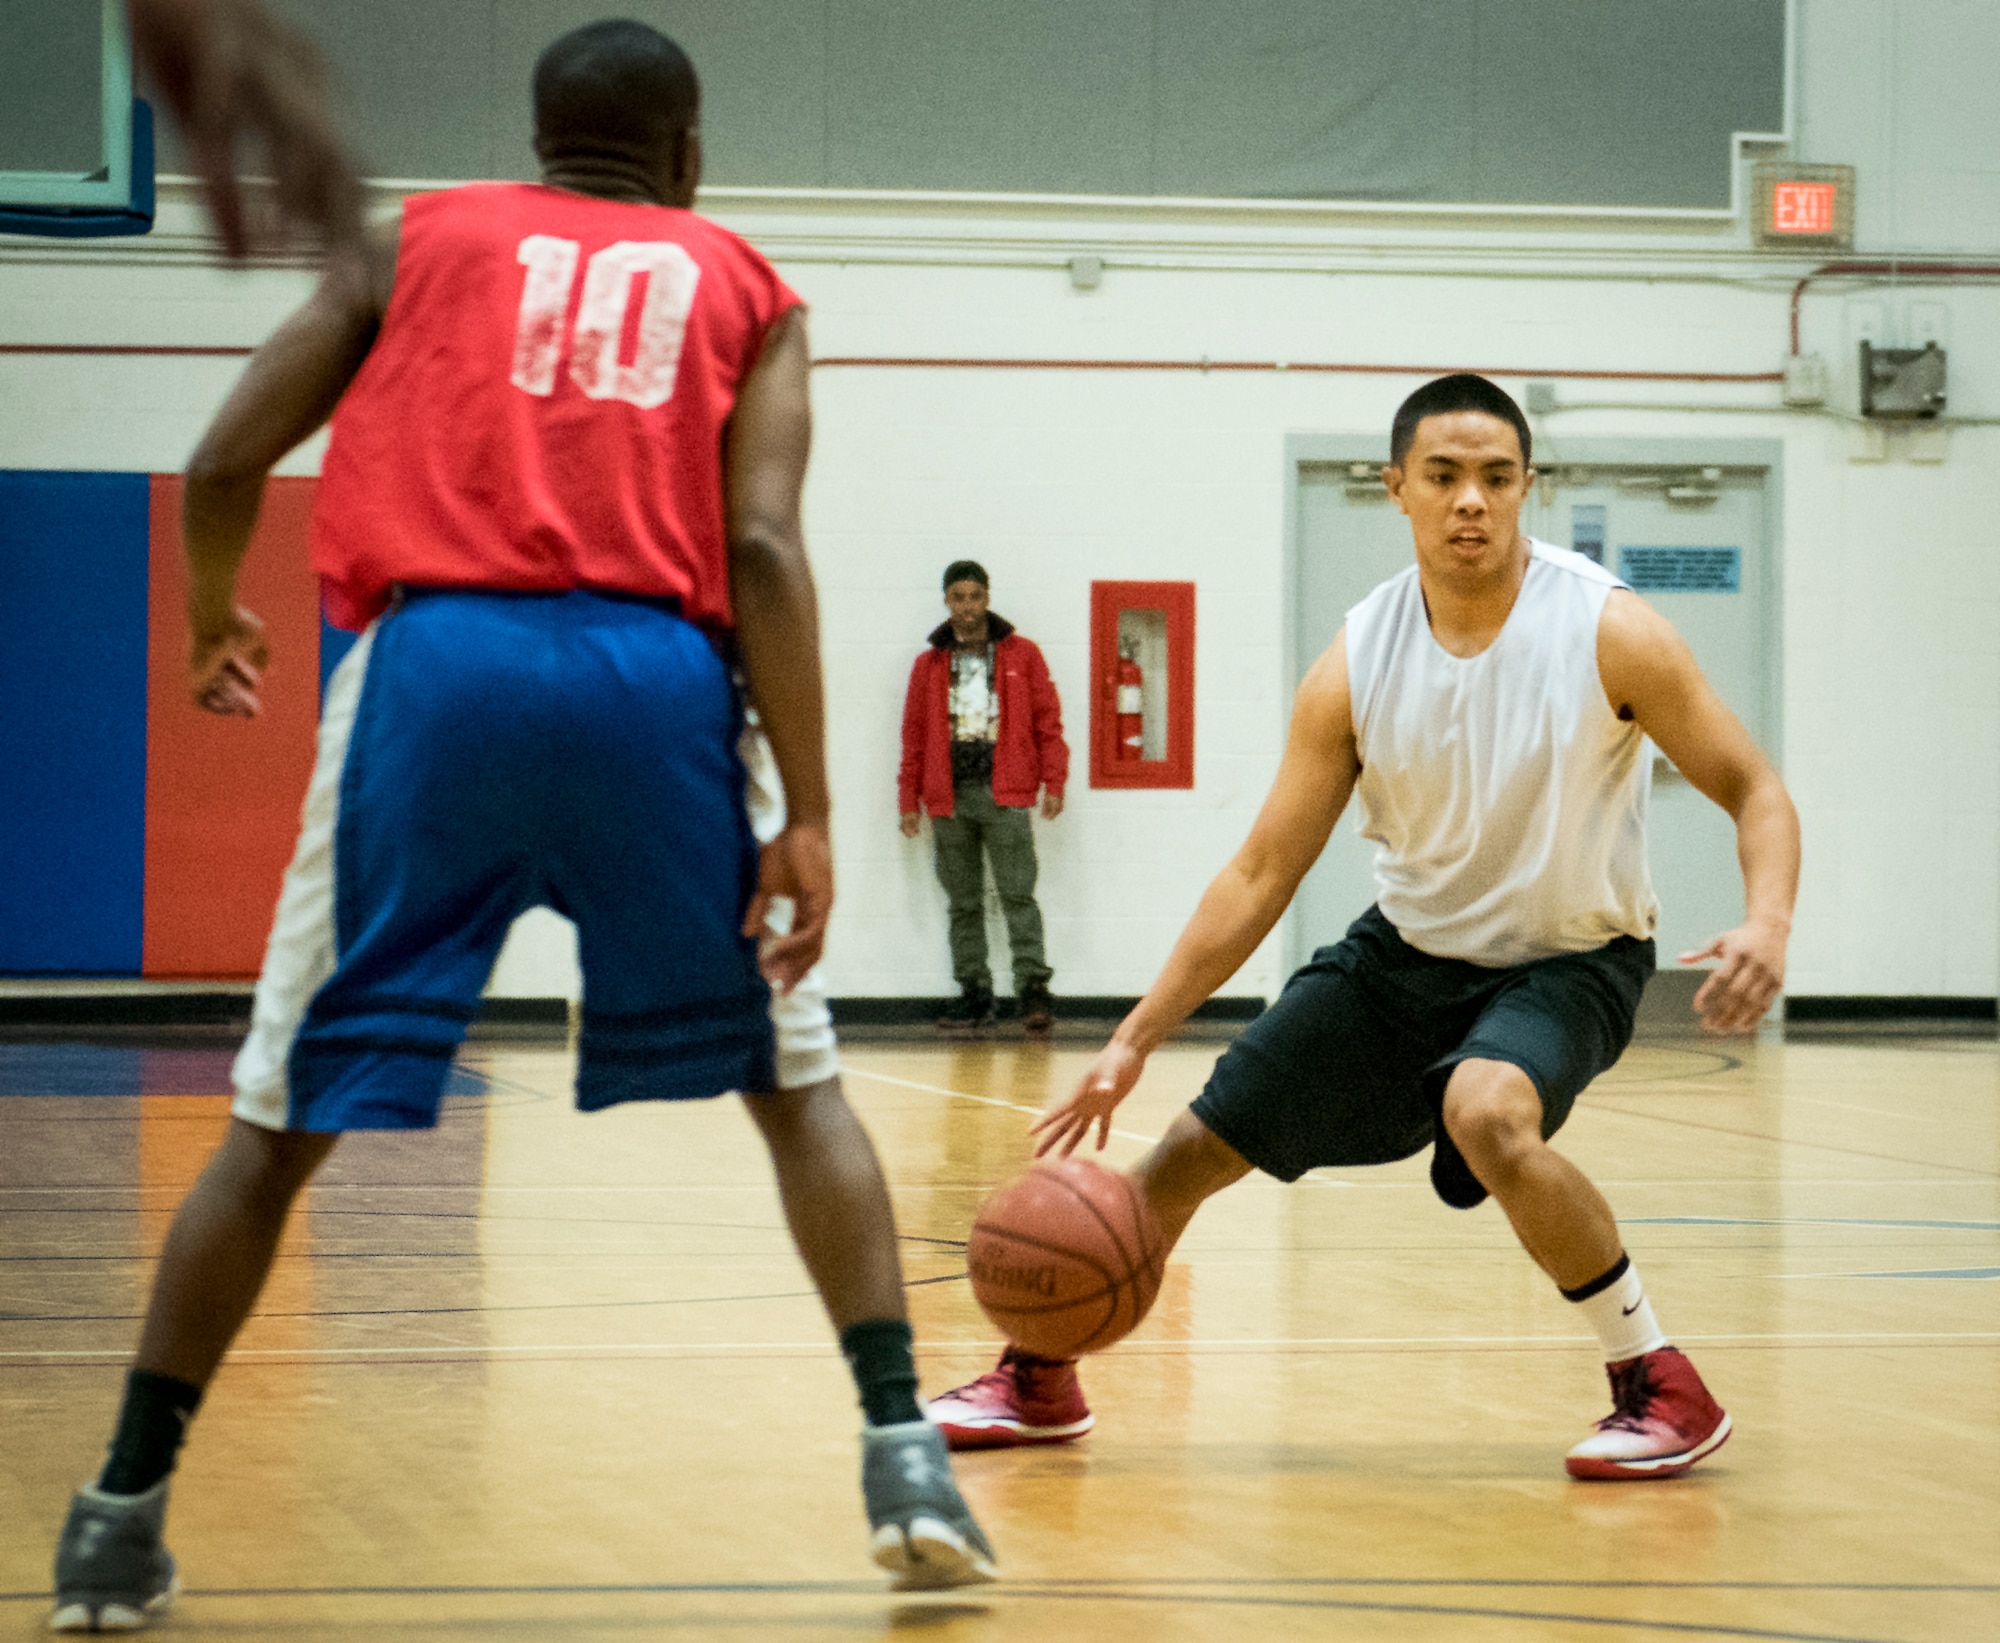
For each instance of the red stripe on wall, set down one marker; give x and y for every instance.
(223, 795)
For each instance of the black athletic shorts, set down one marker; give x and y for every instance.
(1349, 1066)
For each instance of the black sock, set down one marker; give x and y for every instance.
(151, 1425)
(878, 1352)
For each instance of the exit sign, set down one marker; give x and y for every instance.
(1803, 206)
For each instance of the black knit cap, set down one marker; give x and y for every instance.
(966, 570)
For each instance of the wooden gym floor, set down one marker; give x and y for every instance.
(542, 1376)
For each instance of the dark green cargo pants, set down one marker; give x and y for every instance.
(1006, 837)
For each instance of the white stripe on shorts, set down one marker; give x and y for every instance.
(807, 1051)
(300, 954)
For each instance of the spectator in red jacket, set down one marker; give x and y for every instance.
(982, 736)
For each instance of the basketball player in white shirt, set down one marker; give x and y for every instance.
(1489, 707)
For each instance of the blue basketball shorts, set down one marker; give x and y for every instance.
(480, 754)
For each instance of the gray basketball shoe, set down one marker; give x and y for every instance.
(113, 1574)
(923, 1532)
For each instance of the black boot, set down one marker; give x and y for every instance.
(972, 1008)
(1038, 1011)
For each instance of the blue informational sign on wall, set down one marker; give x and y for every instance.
(1682, 570)
(1586, 530)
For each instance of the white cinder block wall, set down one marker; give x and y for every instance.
(1890, 567)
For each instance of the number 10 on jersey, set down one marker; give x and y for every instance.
(670, 275)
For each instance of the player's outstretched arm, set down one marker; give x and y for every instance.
(227, 70)
(777, 632)
(1650, 674)
(1239, 908)
(287, 391)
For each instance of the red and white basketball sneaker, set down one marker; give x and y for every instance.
(1662, 1423)
(1023, 1400)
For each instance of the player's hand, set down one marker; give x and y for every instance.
(1051, 806)
(1750, 972)
(912, 823)
(227, 70)
(1105, 1083)
(798, 864)
(226, 665)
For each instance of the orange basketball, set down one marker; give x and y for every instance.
(1067, 1259)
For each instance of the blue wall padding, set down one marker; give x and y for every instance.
(73, 583)
(334, 644)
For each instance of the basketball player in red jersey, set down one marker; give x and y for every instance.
(566, 463)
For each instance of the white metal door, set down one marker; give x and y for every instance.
(1692, 544)
(1351, 537)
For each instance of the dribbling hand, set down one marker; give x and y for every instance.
(1105, 1083)
(1748, 976)
(797, 864)
(225, 667)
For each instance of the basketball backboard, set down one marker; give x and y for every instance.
(76, 148)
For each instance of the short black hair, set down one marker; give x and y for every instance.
(1461, 391)
(966, 570)
(615, 88)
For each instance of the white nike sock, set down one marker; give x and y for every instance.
(1618, 1310)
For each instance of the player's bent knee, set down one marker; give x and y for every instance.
(1492, 1113)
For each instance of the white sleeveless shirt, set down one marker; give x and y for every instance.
(1508, 797)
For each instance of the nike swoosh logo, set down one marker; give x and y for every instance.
(1627, 1311)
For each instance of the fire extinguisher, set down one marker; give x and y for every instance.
(1131, 707)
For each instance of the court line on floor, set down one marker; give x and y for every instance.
(1089, 1583)
(462, 1311)
(1883, 1222)
(1971, 1176)
(541, 1263)
(1534, 1582)
(1965, 1170)
(1136, 1348)
(329, 1212)
(1626, 1624)
(1969, 1273)
(1211, 1595)
(849, 1068)
(172, 1188)
(1313, 1179)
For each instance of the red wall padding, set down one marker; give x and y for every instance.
(223, 795)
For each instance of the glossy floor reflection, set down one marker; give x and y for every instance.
(539, 1375)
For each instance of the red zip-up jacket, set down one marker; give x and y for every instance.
(1030, 753)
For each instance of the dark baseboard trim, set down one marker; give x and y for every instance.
(1877, 1007)
(908, 1012)
(83, 1010)
(523, 1012)
(219, 1009)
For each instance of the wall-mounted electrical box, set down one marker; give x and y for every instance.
(1142, 684)
(1901, 384)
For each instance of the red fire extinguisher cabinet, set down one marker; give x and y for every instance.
(1148, 626)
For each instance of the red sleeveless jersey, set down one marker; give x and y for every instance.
(543, 408)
